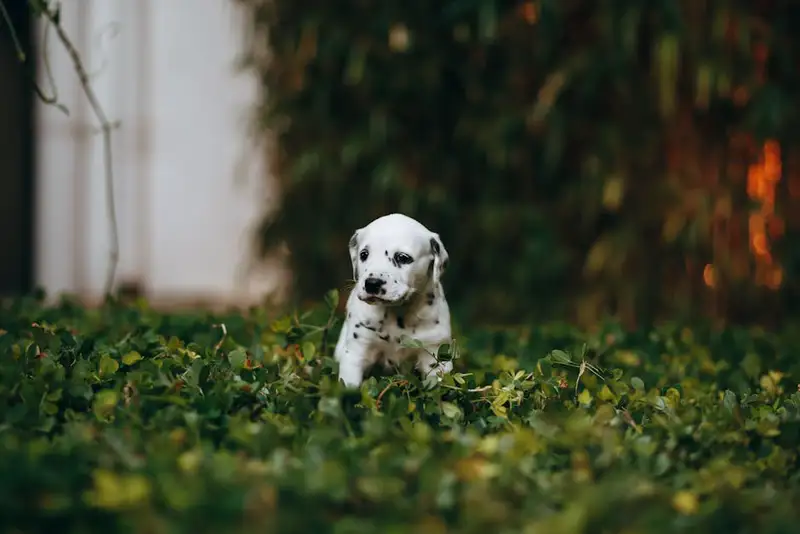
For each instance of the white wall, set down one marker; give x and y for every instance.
(189, 183)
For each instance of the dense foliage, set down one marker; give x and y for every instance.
(590, 157)
(126, 420)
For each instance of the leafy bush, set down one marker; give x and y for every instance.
(590, 157)
(126, 420)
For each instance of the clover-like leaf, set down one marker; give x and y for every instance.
(637, 383)
(131, 357)
(332, 299)
(309, 350)
(104, 403)
(237, 357)
(451, 410)
(108, 365)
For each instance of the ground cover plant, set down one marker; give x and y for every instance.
(123, 419)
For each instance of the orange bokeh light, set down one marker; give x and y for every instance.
(709, 276)
(762, 178)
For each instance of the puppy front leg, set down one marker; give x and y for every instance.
(352, 364)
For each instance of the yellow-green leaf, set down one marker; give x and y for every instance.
(108, 365)
(104, 403)
(606, 395)
(685, 502)
(309, 350)
(451, 410)
(49, 408)
(113, 491)
(282, 326)
(131, 358)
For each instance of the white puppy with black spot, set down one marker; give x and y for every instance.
(397, 267)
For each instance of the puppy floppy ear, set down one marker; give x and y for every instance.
(352, 245)
(440, 257)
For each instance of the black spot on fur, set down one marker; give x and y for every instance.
(431, 298)
(368, 327)
(437, 321)
(383, 291)
(355, 336)
(400, 322)
(385, 338)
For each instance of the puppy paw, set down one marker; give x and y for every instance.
(350, 375)
(446, 367)
(441, 368)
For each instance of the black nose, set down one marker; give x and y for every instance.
(373, 285)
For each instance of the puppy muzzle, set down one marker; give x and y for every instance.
(378, 290)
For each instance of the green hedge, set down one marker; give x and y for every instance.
(570, 153)
(126, 420)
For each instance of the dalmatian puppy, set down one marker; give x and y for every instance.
(397, 268)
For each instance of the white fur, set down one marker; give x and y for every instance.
(411, 301)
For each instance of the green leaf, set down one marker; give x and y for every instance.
(410, 342)
(49, 408)
(729, 400)
(451, 410)
(559, 356)
(131, 357)
(192, 377)
(309, 350)
(108, 365)
(105, 402)
(332, 299)
(283, 325)
(607, 395)
(545, 367)
(751, 364)
(237, 358)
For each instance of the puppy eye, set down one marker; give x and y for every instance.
(402, 258)
(364, 255)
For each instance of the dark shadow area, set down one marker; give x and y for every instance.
(16, 152)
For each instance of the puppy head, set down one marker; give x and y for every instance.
(394, 258)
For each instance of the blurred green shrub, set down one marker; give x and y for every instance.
(578, 158)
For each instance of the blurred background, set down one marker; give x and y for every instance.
(189, 176)
(580, 159)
